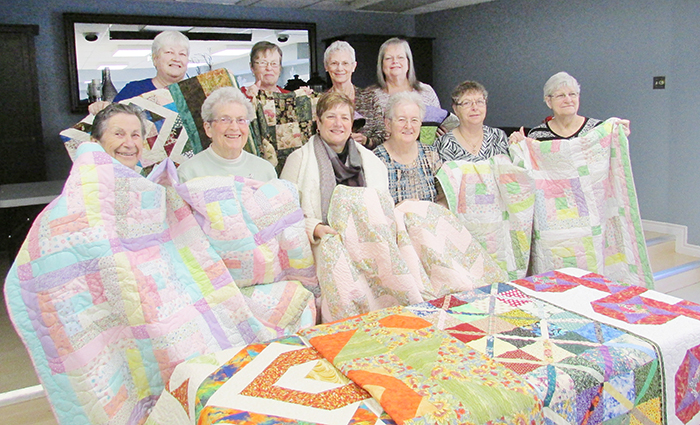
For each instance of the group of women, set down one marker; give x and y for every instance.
(393, 111)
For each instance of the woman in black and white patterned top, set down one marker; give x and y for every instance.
(471, 140)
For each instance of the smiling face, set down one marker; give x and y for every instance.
(564, 101)
(395, 63)
(122, 139)
(335, 126)
(228, 130)
(171, 63)
(340, 67)
(404, 126)
(267, 67)
(471, 108)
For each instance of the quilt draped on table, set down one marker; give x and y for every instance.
(117, 283)
(421, 375)
(554, 204)
(283, 381)
(384, 256)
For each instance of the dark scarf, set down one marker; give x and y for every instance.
(332, 171)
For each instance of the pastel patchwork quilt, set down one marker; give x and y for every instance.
(117, 283)
(284, 122)
(283, 381)
(553, 204)
(257, 228)
(384, 257)
(175, 129)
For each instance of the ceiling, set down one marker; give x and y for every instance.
(409, 7)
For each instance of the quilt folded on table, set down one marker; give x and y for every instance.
(384, 257)
(283, 381)
(421, 375)
(554, 204)
(117, 283)
(175, 127)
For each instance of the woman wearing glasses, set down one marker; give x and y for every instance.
(339, 61)
(266, 64)
(561, 94)
(226, 114)
(411, 164)
(471, 140)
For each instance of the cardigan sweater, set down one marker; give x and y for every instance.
(301, 169)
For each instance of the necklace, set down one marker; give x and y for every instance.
(470, 147)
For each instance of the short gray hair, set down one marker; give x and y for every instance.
(338, 46)
(559, 80)
(99, 123)
(225, 95)
(381, 79)
(402, 98)
(169, 38)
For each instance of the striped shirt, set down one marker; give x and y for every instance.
(494, 143)
(543, 132)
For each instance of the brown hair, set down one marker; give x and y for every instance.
(261, 47)
(330, 100)
(468, 86)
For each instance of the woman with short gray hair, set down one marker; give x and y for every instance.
(561, 94)
(412, 165)
(170, 52)
(226, 114)
(339, 61)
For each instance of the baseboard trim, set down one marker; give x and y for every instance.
(677, 230)
(23, 394)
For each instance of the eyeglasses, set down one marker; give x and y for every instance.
(264, 64)
(336, 64)
(561, 96)
(469, 103)
(226, 121)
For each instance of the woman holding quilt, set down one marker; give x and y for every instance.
(331, 158)
(561, 94)
(472, 140)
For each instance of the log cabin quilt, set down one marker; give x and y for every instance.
(554, 204)
(117, 283)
